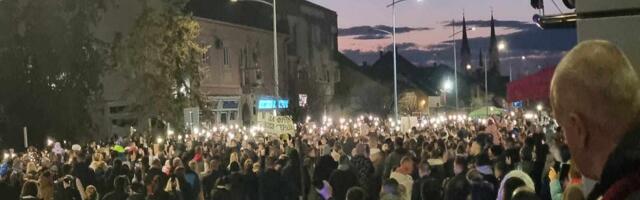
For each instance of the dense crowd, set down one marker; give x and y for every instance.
(450, 157)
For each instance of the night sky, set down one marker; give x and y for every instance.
(427, 30)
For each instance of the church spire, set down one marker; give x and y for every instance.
(494, 57)
(465, 50)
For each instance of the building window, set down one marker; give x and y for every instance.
(117, 109)
(205, 54)
(259, 75)
(226, 56)
(328, 76)
(232, 116)
(223, 117)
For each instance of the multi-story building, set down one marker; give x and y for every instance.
(238, 67)
(307, 59)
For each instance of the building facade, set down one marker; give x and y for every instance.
(238, 69)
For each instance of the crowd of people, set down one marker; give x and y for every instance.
(449, 157)
(517, 155)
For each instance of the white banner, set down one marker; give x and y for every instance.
(276, 125)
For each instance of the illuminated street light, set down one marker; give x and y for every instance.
(502, 46)
(468, 67)
(447, 85)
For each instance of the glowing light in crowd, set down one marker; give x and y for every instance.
(245, 137)
(159, 140)
(539, 107)
(179, 137)
(308, 119)
(342, 120)
(231, 136)
(49, 142)
(169, 132)
(512, 113)
(6, 156)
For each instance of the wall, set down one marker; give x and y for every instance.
(248, 73)
(610, 25)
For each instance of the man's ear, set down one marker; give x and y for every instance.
(582, 134)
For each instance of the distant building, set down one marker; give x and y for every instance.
(309, 67)
(238, 69)
(238, 64)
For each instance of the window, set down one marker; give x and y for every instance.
(226, 56)
(259, 74)
(232, 116)
(327, 77)
(205, 54)
(223, 117)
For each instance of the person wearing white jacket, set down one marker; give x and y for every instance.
(402, 174)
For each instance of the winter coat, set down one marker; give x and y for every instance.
(270, 184)
(364, 169)
(209, 181)
(427, 187)
(341, 181)
(324, 167)
(250, 181)
(457, 188)
(620, 177)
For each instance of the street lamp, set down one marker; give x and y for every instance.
(502, 46)
(455, 59)
(395, 60)
(447, 85)
(275, 44)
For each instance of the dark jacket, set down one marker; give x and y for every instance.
(482, 190)
(324, 167)
(250, 181)
(237, 188)
(209, 181)
(270, 185)
(341, 181)
(363, 168)
(457, 188)
(115, 195)
(427, 187)
(620, 178)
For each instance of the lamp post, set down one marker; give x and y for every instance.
(502, 46)
(446, 87)
(275, 44)
(455, 57)
(395, 60)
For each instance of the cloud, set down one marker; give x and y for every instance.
(541, 48)
(374, 32)
(487, 23)
(371, 37)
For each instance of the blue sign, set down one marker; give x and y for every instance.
(518, 104)
(264, 104)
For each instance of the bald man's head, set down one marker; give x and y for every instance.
(595, 97)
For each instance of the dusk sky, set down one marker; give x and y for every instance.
(428, 31)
